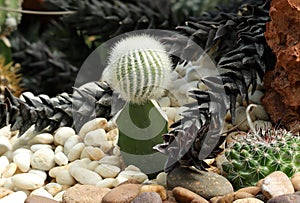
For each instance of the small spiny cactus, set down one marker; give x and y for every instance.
(255, 156)
(139, 69)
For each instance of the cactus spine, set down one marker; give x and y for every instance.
(138, 69)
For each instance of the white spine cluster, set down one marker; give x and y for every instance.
(138, 69)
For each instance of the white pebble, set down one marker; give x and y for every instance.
(58, 197)
(164, 102)
(75, 152)
(21, 151)
(3, 164)
(43, 159)
(10, 170)
(62, 134)
(40, 173)
(95, 137)
(8, 183)
(61, 159)
(27, 181)
(162, 179)
(53, 188)
(23, 161)
(135, 175)
(93, 153)
(170, 112)
(5, 132)
(256, 97)
(36, 147)
(64, 177)
(71, 142)
(107, 171)
(82, 163)
(59, 148)
(107, 183)
(132, 168)
(260, 113)
(106, 146)
(16, 197)
(116, 151)
(113, 135)
(43, 138)
(93, 165)
(5, 145)
(112, 160)
(42, 192)
(85, 176)
(92, 125)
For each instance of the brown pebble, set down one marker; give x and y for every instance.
(215, 199)
(276, 184)
(242, 195)
(124, 193)
(84, 194)
(170, 196)
(39, 199)
(296, 182)
(147, 197)
(155, 188)
(254, 190)
(199, 201)
(248, 200)
(259, 183)
(4, 192)
(184, 195)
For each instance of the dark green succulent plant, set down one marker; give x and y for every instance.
(256, 155)
(48, 114)
(236, 43)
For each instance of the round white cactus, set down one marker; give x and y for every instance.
(138, 69)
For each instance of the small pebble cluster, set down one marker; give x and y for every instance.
(47, 164)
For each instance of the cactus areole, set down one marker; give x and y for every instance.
(139, 70)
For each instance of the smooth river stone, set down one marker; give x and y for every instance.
(205, 184)
(95, 137)
(107, 171)
(75, 152)
(4, 162)
(92, 125)
(16, 197)
(71, 142)
(61, 159)
(5, 145)
(62, 134)
(27, 181)
(43, 138)
(43, 159)
(85, 176)
(23, 161)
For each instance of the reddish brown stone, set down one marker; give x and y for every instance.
(282, 100)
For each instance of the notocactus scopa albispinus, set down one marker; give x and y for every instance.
(139, 70)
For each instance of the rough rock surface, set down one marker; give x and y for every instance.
(205, 184)
(282, 84)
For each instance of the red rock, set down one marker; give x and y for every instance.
(282, 84)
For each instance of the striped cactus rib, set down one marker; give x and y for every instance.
(141, 71)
